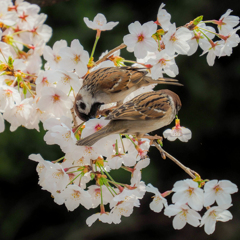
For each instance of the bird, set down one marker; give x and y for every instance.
(143, 114)
(109, 85)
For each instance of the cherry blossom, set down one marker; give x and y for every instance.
(140, 38)
(213, 49)
(163, 63)
(182, 133)
(51, 55)
(105, 217)
(214, 214)
(227, 22)
(201, 31)
(19, 114)
(100, 23)
(183, 214)
(75, 196)
(74, 57)
(187, 191)
(163, 17)
(8, 97)
(219, 191)
(158, 201)
(55, 101)
(177, 40)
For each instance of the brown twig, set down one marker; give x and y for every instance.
(110, 53)
(74, 118)
(190, 172)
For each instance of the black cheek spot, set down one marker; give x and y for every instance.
(94, 109)
(82, 105)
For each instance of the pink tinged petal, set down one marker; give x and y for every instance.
(110, 26)
(150, 188)
(196, 201)
(156, 205)
(179, 186)
(2, 125)
(135, 28)
(89, 23)
(228, 186)
(76, 46)
(225, 216)
(130, 40)
(179, 221)
(193, 218)
(81, 69)
(172, 71)
(150, 44)
(100, 19)
(209, 198)
(223, 198)
(210, 185)
(149, 29)
(172, 210)
(58, 45)
(90, 220)
(156, 72)
(143, 163)
(193, 47)
(139, 50)
(211, 58)
(184, 34)
(48, 53)
(210, 225)
(182, 47)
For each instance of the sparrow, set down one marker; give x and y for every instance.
(139, 116)
(111, 84)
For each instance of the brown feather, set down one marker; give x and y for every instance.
(151, 105)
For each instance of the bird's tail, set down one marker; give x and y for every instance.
(93, 138)
(169, 81)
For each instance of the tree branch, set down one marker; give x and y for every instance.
(165, 154)
(110, 53)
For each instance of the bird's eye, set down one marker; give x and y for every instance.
(82, 105)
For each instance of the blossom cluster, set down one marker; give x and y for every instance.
(31, 93)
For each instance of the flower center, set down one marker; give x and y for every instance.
(98, 127)
(77, 59)
(45, 81)
(57, 58)
(66, 78)
(217, 189)
(76, 194)
(56, 98)
(173, 38)
(140, 38)
(190, 191)
(162, 61)
(8, 93)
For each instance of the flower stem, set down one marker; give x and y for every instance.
(94, 47)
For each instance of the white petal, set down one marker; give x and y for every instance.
(90, 220)
(179, 222)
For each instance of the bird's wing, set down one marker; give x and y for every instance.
(114, 79)
(151, 105)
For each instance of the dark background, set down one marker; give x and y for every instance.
(210, 99)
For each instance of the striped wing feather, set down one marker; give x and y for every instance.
(151, 105)
(113, 79)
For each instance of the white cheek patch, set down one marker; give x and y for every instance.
(78, 106)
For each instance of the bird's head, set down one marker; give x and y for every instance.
(85, 107)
